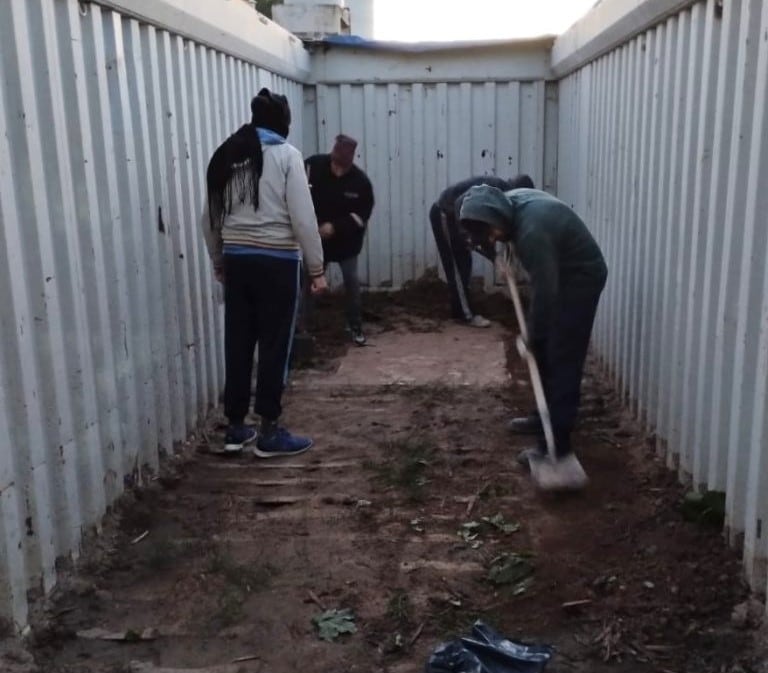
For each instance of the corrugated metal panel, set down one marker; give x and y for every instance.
(670, 131)
(415, 139)
(109, 348)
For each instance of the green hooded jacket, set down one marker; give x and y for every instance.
(552, 243)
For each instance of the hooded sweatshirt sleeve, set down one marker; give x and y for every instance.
(538, 256)
(213, 240)
(302, 214)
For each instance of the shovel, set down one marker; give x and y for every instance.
(525, 353)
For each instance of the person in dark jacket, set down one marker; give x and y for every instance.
(567, 274)
(343, 198)
(455, 257)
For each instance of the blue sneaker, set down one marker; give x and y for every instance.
(238, 436)
(279, 442)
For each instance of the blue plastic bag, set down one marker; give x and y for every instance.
(487, 651)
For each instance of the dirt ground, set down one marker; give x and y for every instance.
(412, 513)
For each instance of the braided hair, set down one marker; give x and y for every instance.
(236, 166)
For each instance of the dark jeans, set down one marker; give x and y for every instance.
(353, 308)
(352, 291)
(456, 259)
(261, 297)
(560, 357)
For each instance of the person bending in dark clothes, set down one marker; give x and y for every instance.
(455, 256)
(567, 274)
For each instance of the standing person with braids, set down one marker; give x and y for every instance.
(258, 221)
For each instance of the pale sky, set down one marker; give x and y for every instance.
(436, 20)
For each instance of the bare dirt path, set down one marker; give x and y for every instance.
(411, 513)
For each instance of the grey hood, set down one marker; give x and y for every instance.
(490, 205)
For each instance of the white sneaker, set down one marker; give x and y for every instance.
(479, 321)
(564, 474)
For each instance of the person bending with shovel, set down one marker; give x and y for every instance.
(455, 256)
(567, 274)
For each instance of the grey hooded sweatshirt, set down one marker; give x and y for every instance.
(552, 243)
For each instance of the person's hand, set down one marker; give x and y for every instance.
(318, 285)
(522, 347)
(218, 274)
(326, 230)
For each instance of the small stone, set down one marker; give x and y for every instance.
(235, 632)
(740, 615)
(19, 656)
(15, 658)
(756, 611)
(82, 587)
(750, 613)
(104, 596)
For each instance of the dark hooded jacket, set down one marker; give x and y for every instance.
(451, 198)
(552, 243)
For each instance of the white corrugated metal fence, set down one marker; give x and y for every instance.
(663, 150)
(109, 345)
(429, 123)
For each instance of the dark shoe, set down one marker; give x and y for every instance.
(478, 321)
(526, 425)
(279, 442)
(357, 336)
(526, 457)
(238, 436)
